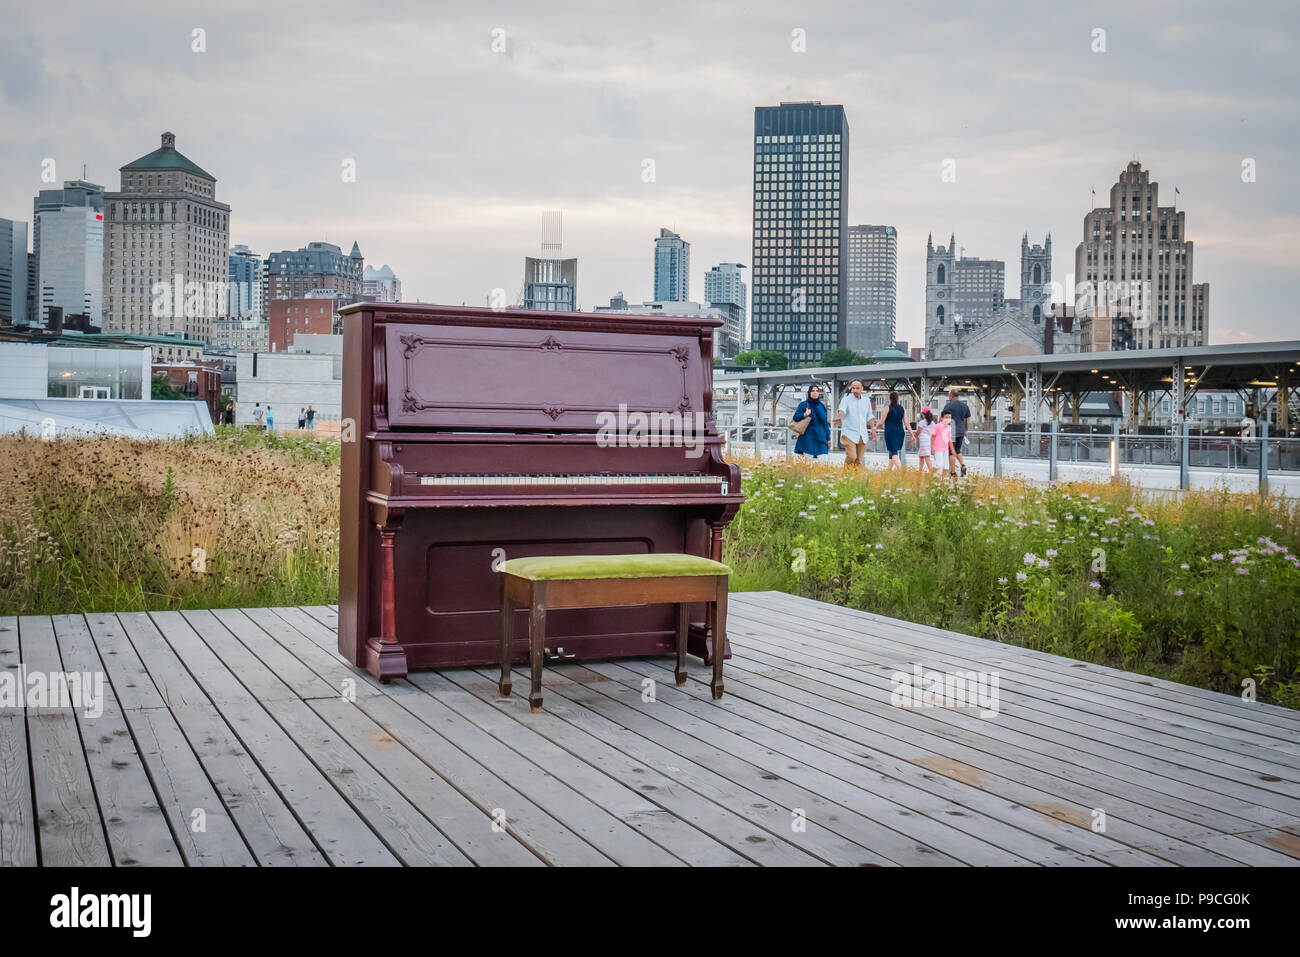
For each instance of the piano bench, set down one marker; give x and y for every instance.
(599, 581)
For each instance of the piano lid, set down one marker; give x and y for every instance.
(541, 375)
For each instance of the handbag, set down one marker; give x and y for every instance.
(800, 427)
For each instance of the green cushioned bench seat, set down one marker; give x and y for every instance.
(579, 567)
(547, 583)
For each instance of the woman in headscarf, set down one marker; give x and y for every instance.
(816, 439)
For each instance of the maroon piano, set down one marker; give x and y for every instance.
(476, 435)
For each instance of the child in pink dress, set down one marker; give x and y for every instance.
(941, 441)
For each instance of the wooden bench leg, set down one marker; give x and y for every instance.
(683, 628)
(536, 642)
(507, 640)
(719, 615)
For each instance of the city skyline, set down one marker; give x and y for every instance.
(1029, 139)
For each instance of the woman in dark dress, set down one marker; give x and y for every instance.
(895, 425)
(816, 439)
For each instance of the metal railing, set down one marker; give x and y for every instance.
(1262, 454)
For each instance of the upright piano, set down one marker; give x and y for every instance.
(474, 435)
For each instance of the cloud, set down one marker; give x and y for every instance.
(458, 148)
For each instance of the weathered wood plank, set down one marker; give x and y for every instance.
(710, 817)
(202, 824)
(547, 837)
(619, 798)
(938, 819)
(333, 823)
(569, 701)
(411, 837)
(602, 829)
(972, 805)
(465, 824)
(138, 831)
(17, 825)
(1246, 800)
(984, 744)
(799, 607)
(261, 649)
(213, 781)
(70, 828)
(1230, 716)
(750, 766)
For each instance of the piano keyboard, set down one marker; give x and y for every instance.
(588, 479)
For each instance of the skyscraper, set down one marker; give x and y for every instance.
(672, 268)
(1135, 262)
(68, 242)
(723, 286)
(13, 271)
(247, 298)
(873, 288)
(801, 167)
(167, 245)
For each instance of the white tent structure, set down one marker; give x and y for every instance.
(127, 418)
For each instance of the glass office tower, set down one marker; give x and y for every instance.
(799, 298)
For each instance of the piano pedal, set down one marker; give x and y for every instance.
(558, 654)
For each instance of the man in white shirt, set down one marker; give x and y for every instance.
(853, 417)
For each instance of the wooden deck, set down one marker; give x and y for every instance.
(226, 738)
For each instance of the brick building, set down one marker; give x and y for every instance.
(316, 314)
(197, 379)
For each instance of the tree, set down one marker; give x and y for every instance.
(162, 389)
(844, 357)
(767, 359)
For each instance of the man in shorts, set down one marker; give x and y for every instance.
(960, 416)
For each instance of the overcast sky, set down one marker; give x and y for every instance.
(459, 149)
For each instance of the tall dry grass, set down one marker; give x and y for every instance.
(120, 525)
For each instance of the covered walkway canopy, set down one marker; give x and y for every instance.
(1258, 371)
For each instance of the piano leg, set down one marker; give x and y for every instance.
(537, 642)
(385, 658)
(683, 629)
(719, 616)
(715, 553)
(507, 639)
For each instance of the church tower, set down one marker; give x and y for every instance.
(1035, 278)
(939, 283)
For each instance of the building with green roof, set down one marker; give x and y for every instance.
(166, 248)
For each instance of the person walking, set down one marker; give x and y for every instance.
(942, 445)
(925, 440)
(270, 420)
(853, 417)
(816, 439)
(302, 419)
(311, 418)
(258, 414)
(960, 417)
(894, 423)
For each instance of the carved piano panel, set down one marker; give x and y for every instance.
(535, 378)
